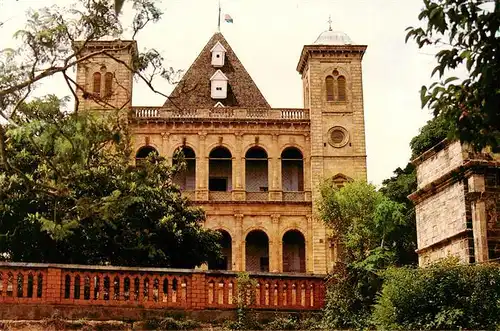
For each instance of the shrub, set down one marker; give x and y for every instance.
(283, 323)
(446, 295)
(350, 296)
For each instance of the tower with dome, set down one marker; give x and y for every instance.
(256, 170)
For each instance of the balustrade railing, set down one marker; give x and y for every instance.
(153, 287)
(189, 194)
(293, 195)
(220, 196)
(257, 196)
(231, 113)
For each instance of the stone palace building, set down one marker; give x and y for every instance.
(254, 169)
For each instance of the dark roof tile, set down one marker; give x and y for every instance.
(193, 91)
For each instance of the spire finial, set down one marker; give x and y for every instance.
(218, 22)
(330, 22)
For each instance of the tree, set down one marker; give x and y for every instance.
(81, 201)
(468, 33)
(398, 188)
(432, 133)
(367, 227)
(49, 47)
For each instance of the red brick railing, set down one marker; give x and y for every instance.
(153, 287)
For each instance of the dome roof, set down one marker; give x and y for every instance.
(330, 37)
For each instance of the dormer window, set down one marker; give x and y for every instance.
(218, 55)
(218, 83)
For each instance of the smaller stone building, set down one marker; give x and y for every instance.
(457, 203)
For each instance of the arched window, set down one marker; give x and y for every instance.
(225, 263)
(257, 251)
(256, 174)
(220, 172)
(292, 170)
(186, 179)
(329, 88)
(341, 93)
(143, 153)
(97, 83)
(108, 84)
(294, 252)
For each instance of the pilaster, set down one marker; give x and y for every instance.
(165, 146)
(238, 192)
(275, 191)
(202, 169)
(239, 244)
(479, 219)
(275, 245)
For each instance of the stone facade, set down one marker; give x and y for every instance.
(456, 204)
(255, 170)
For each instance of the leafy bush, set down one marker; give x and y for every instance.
(283, 323)
(170, 323)
(446, 295)
(350, 297)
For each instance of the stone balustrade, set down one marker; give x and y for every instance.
(286, 196)
(153, 287)
(222, 113)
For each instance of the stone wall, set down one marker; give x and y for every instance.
(442, 216)
(439, 163)
(457, 199)
(456, 247)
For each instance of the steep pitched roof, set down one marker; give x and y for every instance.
(193, 91)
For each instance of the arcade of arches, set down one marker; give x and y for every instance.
(275, 237)
(222, 176)
(257, 252)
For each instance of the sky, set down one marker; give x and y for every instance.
(268, 36)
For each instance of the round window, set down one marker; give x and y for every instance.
(338, 136)
(335, 72)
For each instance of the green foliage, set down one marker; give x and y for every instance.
(246, 318)
(350, 295)
(467, 33)
(170, 323)
(444, 296)
(366, 225)
(365, 222)
(292, 322)
(68, 194)
(398, 188)
(431, 134)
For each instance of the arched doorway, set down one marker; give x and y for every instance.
(225, 263)
(257, 251)
(143, 153)
(186, 179)
(256, 174)
(294, 252)
(220, 170)
(292, 170)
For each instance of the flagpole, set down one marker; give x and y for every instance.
(218, 22)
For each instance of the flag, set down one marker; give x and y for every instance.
(228, 18)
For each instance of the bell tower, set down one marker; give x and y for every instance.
(332, 85)
(104, 74)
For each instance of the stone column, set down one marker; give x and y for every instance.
(309, 244)
(238, 251)
(165, 146)
(202, 169)
(479, 218)
(275, 245)
(238, 191)
(275, 192)
(307, 169)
